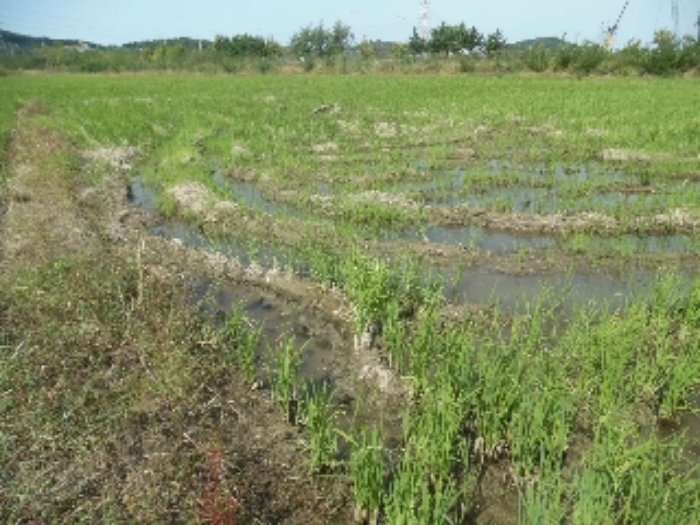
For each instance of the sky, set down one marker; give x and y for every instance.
(115, 22)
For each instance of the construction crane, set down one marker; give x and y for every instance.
(612, 31)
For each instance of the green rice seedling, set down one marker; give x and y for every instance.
(544, 499)
(456, 368)
(242, 339)
(605, 362)
(498, 392)
(368, 471)
(540, 428)
(326, 265)
(579, 243)
(412, 499)
(425, 346)
(433, 435)
(320, 425)
(680, 383)
(285, 385)
(633, 478)
(371, 285)
(669, 294)
(644, 356)
(690, 310)
(396, 338)
(625, 246)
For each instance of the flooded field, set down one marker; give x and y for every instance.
(445, 300)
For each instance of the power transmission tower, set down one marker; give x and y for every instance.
(674, 14)
(425, 19)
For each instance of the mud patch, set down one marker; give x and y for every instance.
(195, 199)
(119, 157)
(676, 221)
(474, 237)
(616, 154)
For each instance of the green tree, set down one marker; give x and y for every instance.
(471, 39)
(449, 39)
(689, 54)
(341, 38)
(590, 56)
(632, 56)
(175, 52)
(222, 44)
(368, 49)
(399, 50)
(273, 49)
(52, 56)
(495, 43)
(318, 41)
(246, 45)
(536, 58)
(417, 45)
(663, 58)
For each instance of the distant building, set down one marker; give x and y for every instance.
(81, 46)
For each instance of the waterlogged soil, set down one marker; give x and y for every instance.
(504, 259)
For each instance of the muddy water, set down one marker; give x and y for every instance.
(476, 284)
(518, 199)
(245, 254)
(484, 285)
(542, 189)
(473, 236)
(323, 350)
(250, 195)
(500, 242)
(143, 196)
(528, 199)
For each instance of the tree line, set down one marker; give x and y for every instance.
(316, 44)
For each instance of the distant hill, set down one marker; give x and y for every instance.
(15, 43)
(547, 42)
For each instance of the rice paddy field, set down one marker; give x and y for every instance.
(371, 299)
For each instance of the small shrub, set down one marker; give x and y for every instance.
(466, 65)
(264, 65)
(589, 58)
(537, 58)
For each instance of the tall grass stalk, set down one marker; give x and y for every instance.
(285, 380)
(368, 470)
(320, 424)
(242, 340)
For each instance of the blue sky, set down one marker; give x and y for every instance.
(118, 22)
